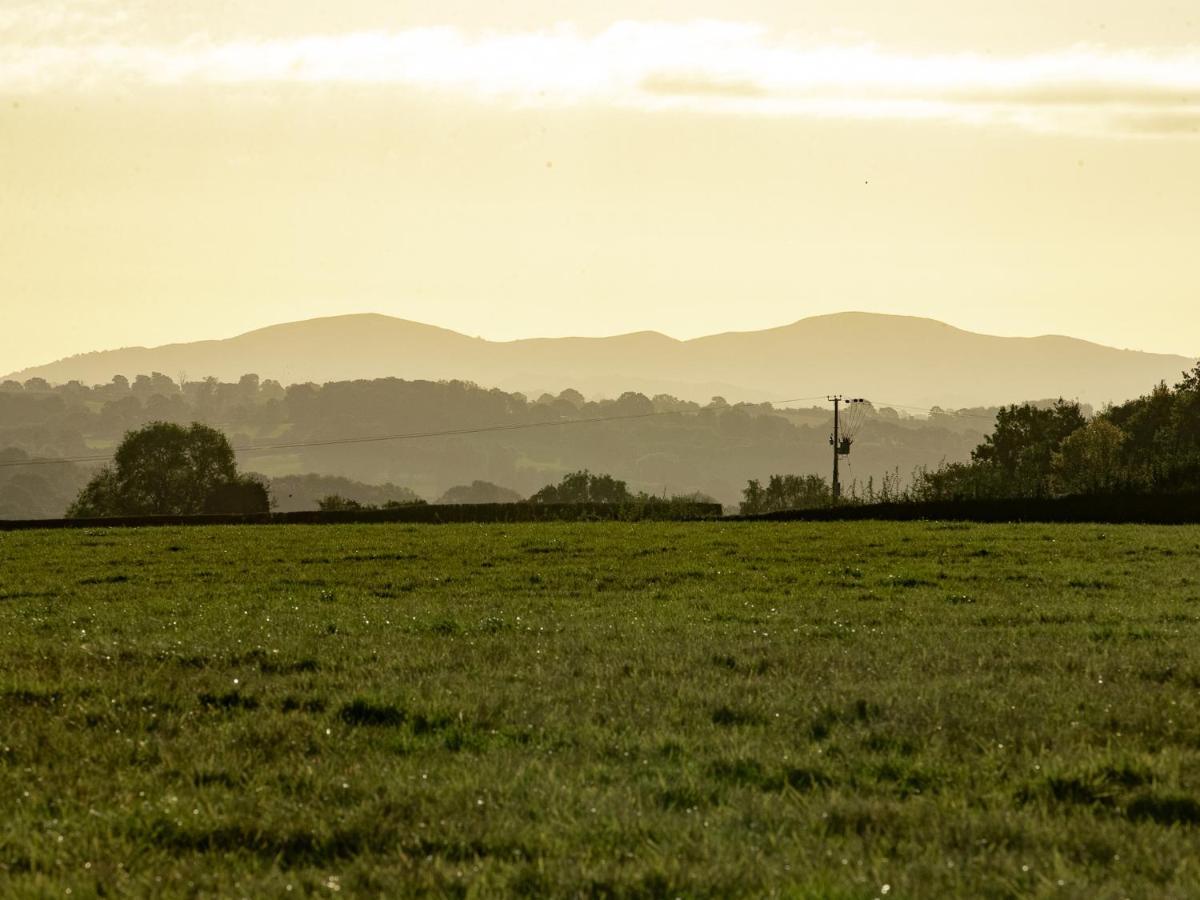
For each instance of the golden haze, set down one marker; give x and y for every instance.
(595, 169)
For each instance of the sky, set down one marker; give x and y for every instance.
(182, 171)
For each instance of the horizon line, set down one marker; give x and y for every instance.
(589, 337)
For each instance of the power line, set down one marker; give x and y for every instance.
(54, 461)
(405, 436)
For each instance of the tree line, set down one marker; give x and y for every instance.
(1148, 445)
(711, 448)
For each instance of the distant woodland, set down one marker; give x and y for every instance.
(712, 448)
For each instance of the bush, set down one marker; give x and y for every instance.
(249, 494)
(336, 502)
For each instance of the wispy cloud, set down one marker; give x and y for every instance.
(54, 19)
(707, 66)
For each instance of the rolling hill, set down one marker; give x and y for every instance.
(890, 359)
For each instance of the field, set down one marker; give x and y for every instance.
(848, 709)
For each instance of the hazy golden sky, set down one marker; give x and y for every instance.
(176, 171)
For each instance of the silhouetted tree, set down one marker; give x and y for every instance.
(572, 396)
(248, 387)
(337, 503)
(479, 492)
(1025, 441)
(1162, 453)
(1089, 459)
(584, 487)
(785, 492)
(632, 403)
(752, 498)
(167, 469)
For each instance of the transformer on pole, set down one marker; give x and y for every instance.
(839, 441)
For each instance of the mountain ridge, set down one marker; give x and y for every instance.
(928, 361)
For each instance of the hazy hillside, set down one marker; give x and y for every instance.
(890, 359)
(298, 437)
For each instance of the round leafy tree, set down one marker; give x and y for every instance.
(167, 469)
(584, 487)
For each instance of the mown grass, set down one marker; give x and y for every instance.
(601, 710)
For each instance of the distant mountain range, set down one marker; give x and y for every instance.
(889, 359)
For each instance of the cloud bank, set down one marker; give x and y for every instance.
(725, 68)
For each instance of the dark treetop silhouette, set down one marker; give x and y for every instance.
(167, 469)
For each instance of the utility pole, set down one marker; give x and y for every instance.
(836, 399)
(839, 439)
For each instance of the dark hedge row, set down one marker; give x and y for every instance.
(1173, 509)
(417, 513)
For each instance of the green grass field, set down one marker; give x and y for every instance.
(601, 710)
